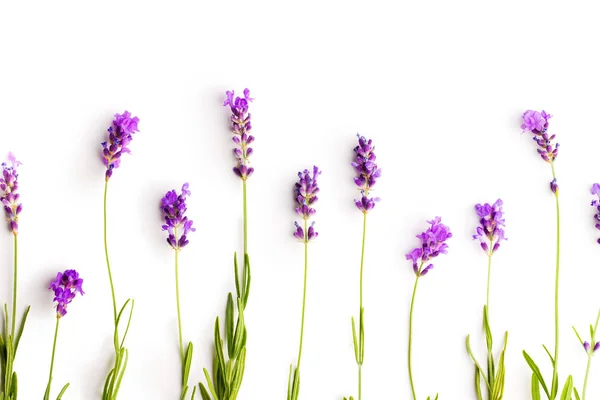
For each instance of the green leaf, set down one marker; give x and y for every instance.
(219, 345)
(549, 355)
(576, 393)
(239, 331)
(289, 391)
(535, 387)
(21, 327)
(568, 389)
(296, 384)
(361, 336)
(468, 344)
(128, 320)
(576, 334)
(536, 371)
(187, 363)
(237, 275)
(229, 325)
(204, 393)
(63, 390)
(248, 277)
(478, 384)
(238, 373)
(210, 386)
(488, 332)
(194, 393)
(355, 340)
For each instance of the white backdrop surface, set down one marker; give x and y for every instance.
(439, 86)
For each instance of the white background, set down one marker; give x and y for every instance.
(438, 85)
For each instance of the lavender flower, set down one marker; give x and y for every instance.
(176, 223)
(241, 127)
(433, 243)
(119, 136)
(368, 173)
(537, 123)
(490, 232)
(66, 285)
(596, 203)
(8, 192)
(305, 194)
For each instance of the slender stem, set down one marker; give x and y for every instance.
(15, 278)
(587, 372)
(245, 222)
(178, 306)
(489, 274)
(304, 292)
(490, 356)
(410, 320)
(556, 286)
(112, 286)
(360, 311)
(53, 353)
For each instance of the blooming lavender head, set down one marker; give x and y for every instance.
(176, 223)
(119, 136)
(596, 203)
(305, 194)
(66, 285)
(490, 231)
(8, 192)
(537, 123)
(367, 173)
(433, 243)
(241, 126)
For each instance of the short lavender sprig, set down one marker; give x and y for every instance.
(9, 196)
(305, 195)
(65, 286)
(241, 125)
(433, 243)
(537, 123)
(589, 350)
(120, 134)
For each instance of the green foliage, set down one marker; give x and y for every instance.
(8, 352)
(115, 376)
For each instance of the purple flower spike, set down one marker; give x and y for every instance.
(119, 136)
(66, 285)
(367, 173)
(176, 223)
(305, 195)
(537, 123)
(8, 192)
(490, 231)
(241, 126)
(433, 243)
(596, 204)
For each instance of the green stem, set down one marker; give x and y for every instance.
(489, 274)
(53, 353)
(360, 311)
(15, 277)
(490, 356)
(304, 292)
(587, 372)
(245, 222)
(178, 306)
(556, 286)
(410, 320)
(112, 286)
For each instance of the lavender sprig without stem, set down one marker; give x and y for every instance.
(433, 243)
(367, 174)
(537, 124)
(305, 195)
(590, 348)
(228, 373)
(65, 287)
(489, 233)
(178, 227)
(10, 336)
(596, 204)
(120, 135)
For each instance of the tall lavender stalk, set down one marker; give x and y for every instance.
(228, 368)
(11, 336)
(120, 134)
(537, 123)
(490, 234)
(178, 227)
(433, 243)
(65, 286)
(305, 194)
(367, 175)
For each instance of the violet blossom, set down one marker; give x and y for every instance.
(596, 203)
(8, 192)
(490, 231)
(305, 195)
(433, 243)
(176, 223)
(66, 285)
(119, 136)
(537, 123)
(241, 126)
(368, 173)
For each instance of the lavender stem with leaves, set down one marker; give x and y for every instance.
(120, 135)
(590, 348)
(228, 372)
(433, 243)
(178, 227)
(490, 234)
(305, 195)
(65, 287)
(11, 336)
